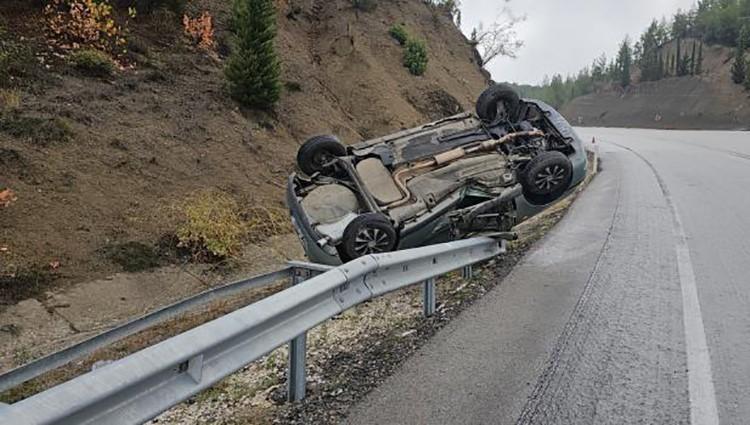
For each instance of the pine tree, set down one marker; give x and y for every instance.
(253, 67)
(699, 61)
(624, 61)
(692, 60)
(739, 67)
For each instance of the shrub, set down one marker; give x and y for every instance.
(210, 222)
(133, 256)
(398, 32)
(16, 62)
(9, 99)
(92, 62)
(90, 23)
(39, 131)
(253, 67)
(24, 283)
(264, 222)
(200, 30)
(415, 57)
(7, 196)
(365, 5)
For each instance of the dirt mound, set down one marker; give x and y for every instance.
(95, 161)
(708, 101)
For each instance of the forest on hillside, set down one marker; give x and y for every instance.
(719, 22)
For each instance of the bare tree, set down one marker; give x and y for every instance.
(499, 38)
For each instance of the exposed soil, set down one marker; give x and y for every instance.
(708, 101)
(96, 162)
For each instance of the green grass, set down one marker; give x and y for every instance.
(398, 32)
(415, 57)
(38, 131)
(92, 63)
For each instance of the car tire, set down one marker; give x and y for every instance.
(546, 177)
(496, 99)
(367, 234)
(318, 151)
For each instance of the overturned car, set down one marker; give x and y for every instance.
(470, 174)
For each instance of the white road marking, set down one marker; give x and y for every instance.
(703, 410)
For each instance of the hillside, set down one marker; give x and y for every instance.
(707, 101)
(97, 164)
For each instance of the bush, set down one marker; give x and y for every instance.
(365, 5)
(16, 63)
(415, 57)
(398, 32)
(92, 62)
(89, 23)
(10, 99)
(253, 68)
(211, 222)
(38, 131)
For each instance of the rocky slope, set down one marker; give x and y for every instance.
(137, 142)
(707, 101)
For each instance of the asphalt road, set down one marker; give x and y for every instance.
(635, 309)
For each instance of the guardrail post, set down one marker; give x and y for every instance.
(428, 297)
(467, 272)
(297, 377)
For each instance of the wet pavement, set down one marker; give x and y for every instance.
(634, 309)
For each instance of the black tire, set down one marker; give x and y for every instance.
(546, 177)
(318, 151)
(367, 234)
(499, 101)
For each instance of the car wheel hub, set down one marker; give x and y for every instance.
(550, 177)
(370, 240)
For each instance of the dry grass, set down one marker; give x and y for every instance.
(10, 99)
(264, 222)
(211, 221)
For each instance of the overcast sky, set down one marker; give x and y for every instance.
(563, 36)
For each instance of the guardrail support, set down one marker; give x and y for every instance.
(467, 272)
(428, 295)
(297, 378)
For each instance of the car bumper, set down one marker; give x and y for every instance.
(308, 236)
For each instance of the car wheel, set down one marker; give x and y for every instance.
(314, 155)
(499, 102)
(546, 177)
(367, 234)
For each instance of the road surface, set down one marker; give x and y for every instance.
(635, 309)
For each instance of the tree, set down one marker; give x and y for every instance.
(624, 60)
(739, 67)
(499, 39)
(598, 68)
(651, 69)
(699, 60)
(683, 66)
(558, 91)
(693, 59)
(253, 68)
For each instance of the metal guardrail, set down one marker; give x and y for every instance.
(142, 385)
(38, 367)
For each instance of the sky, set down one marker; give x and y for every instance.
(563, 36)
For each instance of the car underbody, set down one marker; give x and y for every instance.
(449, 179)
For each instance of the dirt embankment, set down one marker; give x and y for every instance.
(126, 147)
(707, 101)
